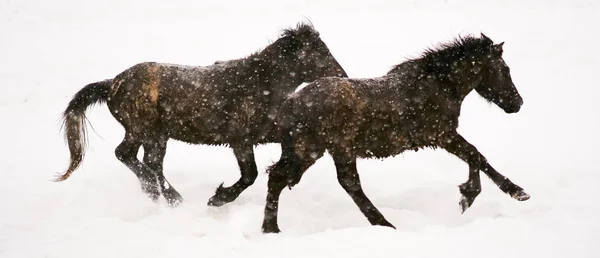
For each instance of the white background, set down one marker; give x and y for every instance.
(51, 49)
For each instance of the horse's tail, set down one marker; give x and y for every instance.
(74, 121)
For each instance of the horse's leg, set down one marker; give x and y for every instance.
(457, 145)
(349, 179)
(503, 182)
(277, 181)
(154, 154)
(127, 152)
(287, 172)
(245, 158)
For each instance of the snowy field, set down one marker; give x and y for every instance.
(50, 49)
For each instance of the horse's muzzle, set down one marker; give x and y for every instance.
(515, 107)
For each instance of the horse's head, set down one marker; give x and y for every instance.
(309, 56)
(497, 85)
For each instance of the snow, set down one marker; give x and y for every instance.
(50, 49)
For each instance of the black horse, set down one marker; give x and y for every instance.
(230, 103)
(415, 105)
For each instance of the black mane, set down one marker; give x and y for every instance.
(439, 58)
(289, 39)
(302, 29)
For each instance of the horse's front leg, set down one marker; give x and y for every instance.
(245, 158)
(503, 182)
(458, 146)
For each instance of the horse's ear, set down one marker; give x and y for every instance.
(485, 37)
(498, 47)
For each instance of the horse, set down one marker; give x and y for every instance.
(229, 103)
(415, 105)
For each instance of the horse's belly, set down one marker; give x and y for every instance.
(197, 131)
(381, 146)
(382, 141)
(219, 128)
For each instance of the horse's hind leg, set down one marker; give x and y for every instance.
(503, 182)
(349, 179)
(274, 187)
(154, 154)
(245, 158)
(127, 152)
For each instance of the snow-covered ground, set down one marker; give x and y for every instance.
(50, 49)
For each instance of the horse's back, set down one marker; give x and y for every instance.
(327, 94)
(328, 109)
(148, 93)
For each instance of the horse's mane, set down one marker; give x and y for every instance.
(302, 29)
(447, 53)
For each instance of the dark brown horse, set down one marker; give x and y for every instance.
(228, 103)
(415, 105)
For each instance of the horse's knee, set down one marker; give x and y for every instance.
(286, 171)
(276, 182)
(275, 185)
(277, 171)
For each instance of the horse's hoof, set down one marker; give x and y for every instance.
(222, 196)
(389, 225)
(270, 228)
(521, 196)
(382, 222)
(151, 191)
(469, 193)
(173, 197)
(216, 201)
(465, 203)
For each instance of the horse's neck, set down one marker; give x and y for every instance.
(470, 77)
(280, 79)
(456, 86)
